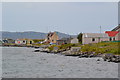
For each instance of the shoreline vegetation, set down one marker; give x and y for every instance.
(109, 51)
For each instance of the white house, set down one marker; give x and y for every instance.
(74, 41)
(20, 41)
(94, 37)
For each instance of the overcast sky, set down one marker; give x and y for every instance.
(66, 17)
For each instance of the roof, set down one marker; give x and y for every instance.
(50, 34)
(112, 33)
(96, 35)
(116, 28)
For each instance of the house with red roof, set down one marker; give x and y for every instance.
(114, 34)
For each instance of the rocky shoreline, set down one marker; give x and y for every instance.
(75, 51)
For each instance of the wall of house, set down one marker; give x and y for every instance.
(29, 42)
(74, 41)
(20, 42)
(117, 37)
(87, 40)
(54, 38)
(118, 29)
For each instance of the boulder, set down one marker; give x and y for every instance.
(107, 57)
(36, 50)
(45, 50)
(111, 57)
(36, 47)
(75, 49)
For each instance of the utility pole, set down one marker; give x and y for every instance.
(100, 34)
(100, 29)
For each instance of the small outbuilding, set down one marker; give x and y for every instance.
(67, 41)
(74, 41)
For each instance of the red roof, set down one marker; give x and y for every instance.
(112, 33)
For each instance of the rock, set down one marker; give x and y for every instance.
(107, 57)
(61, 50)
(45, 50)
(116, 58)
(98, 59)
(66, 52)
(36, 50)
(87, 54)
(70, 53)
(44, 46)
(36, 47)
(111, 58)
(75, 49)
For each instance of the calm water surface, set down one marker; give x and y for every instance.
(21, 62)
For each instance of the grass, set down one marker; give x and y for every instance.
(102, 47)
(38, 40)
(63, 46)
(37, 44)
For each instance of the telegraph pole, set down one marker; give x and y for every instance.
(100, 29)
(100, 34)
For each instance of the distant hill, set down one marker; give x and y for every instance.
(30, 35)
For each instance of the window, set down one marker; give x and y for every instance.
(114, 39)
(93, 39)
(110, 39)
(30, 42)
(23, 41)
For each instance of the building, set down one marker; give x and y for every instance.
(52, 37)
(63, 41)
(114, 35)
(74, 41)
(20, 41)
(94, 37)
(67, 41)
(24, 41)
(8, 41)
(117, 28)
(118, 34)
